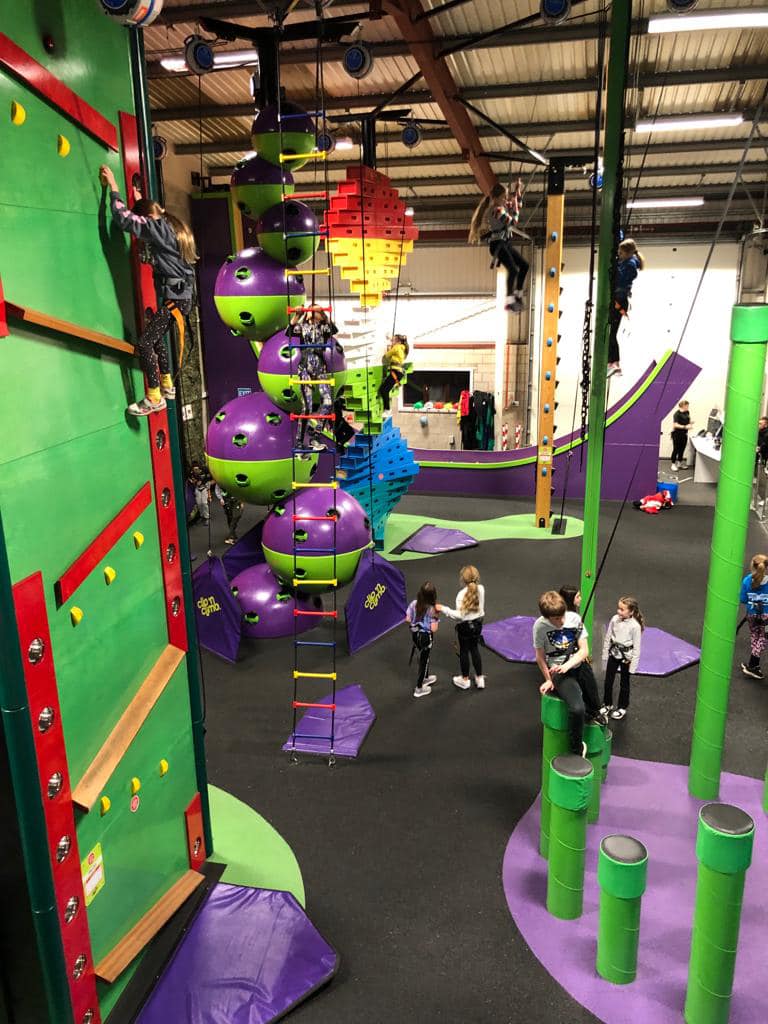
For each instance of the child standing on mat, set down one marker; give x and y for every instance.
(754, 594)
(233, 510)
(200, 480)
(621, 653)
(393, 362)
(501, 212)
(562, 648)
(315, 332)
(470, 612)
(172, 253)
(422, 618)
(628, 264)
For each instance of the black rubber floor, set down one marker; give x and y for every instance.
(401, 850)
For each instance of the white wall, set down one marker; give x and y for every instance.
(661, 299)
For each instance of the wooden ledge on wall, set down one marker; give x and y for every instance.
(54, 323)
(114, 963)
(97, 774)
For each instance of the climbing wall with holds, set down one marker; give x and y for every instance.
(102, 776)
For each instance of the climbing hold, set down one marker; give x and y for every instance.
(109, 574)
(76, 615)
(135, 785)
(544, 471)
(104, 805)
(18, 113)
(163, 766)
(553, 236)
(551, 307)
(138, 539)
(545, 439)
(552, 271)
(546, 407)
(62, 146)
(549, 343)
(548, 375)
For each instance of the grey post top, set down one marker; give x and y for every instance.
(726, 818)
(624, 849)
(571, 764)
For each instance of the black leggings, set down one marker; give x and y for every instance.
(423, 643)
(151, 347)
(514, 264)
(468, 634)
(578, 689)
(388, 384)
(617, 314)
(613, 666)
(679, 444)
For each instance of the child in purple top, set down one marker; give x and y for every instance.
(422, 619)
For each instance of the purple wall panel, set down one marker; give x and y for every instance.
(228, 361)
(633, 438)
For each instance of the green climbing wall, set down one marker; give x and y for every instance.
(70, 460)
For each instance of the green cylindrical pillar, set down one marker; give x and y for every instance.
(595, 741)
(749, 334)
(607, 750)
(622, 869)
(570, 788)
(554, 720)
(724, 850)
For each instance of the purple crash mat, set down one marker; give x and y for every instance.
(352, 722)
(249, 957)
(649, 801)
(660, 655)
(433, 540)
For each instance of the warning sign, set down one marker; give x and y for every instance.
(92, 871)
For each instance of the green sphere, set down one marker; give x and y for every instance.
(263, 482)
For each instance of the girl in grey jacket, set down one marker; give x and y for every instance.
(621, 653)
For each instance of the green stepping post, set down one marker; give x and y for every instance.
(595, 740)
(554, 719)
(622, 869)
(607, 751)
(724, 851)
(746, 370)
(570, 788)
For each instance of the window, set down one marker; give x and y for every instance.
(435, 386)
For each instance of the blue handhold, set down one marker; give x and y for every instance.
(548, 375)
(546, 407)
(553, 236)
(549, 343)
(551, 307)
(552, 271)
(544, 471)
(545, 439)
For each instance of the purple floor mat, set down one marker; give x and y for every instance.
(433, 540)
(249, 957)
(649, 801)
(353, 720)
(660, 655)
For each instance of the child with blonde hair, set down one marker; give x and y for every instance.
(754, 594)
(469, 613)
(621, 653)
(629, 262)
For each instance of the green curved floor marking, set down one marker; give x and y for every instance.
(255, 853)
(572, 445)
(519, 527)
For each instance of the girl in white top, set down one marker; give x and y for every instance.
(469, 613)
(621, 653)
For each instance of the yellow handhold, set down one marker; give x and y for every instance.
(109, 575)
(135, 785)
(18, 113)
(138, 538)
(76, 615)
(62, 146)
(104, 805)
(163, 766)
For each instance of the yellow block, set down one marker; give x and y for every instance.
(163, 766)
(62, 146)
(109, 574)
(76, 615)
(104, 805)
(135, 785)
(18, 113)
(138, 539)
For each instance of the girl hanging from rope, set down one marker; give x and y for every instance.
(393, 362)
(172, 253)
(629, 262)
(315, 332)
(501, 212)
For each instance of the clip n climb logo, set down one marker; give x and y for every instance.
(208, 606)
(375, 596)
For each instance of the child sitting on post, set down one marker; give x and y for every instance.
(562, 649)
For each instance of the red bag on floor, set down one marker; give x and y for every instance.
(654, 503)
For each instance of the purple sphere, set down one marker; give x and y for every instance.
(268, 605)
(285, 219)
(352, 530)
(299, 119)
(257, 184)
(294, 136)
(250, 428)
(277, 357)
(252, 293)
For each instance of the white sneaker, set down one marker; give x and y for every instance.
(430, 680)
(421, 691)
(606, 709)
(168, 392)
(145, 407)
(461, 682)
(480, 682)
(619, 713)
(674, 467)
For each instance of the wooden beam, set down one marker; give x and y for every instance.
(423, 46)
(98, 773)
(114, 963)
(54, 323)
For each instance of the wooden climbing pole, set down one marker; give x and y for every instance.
(553, 255)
